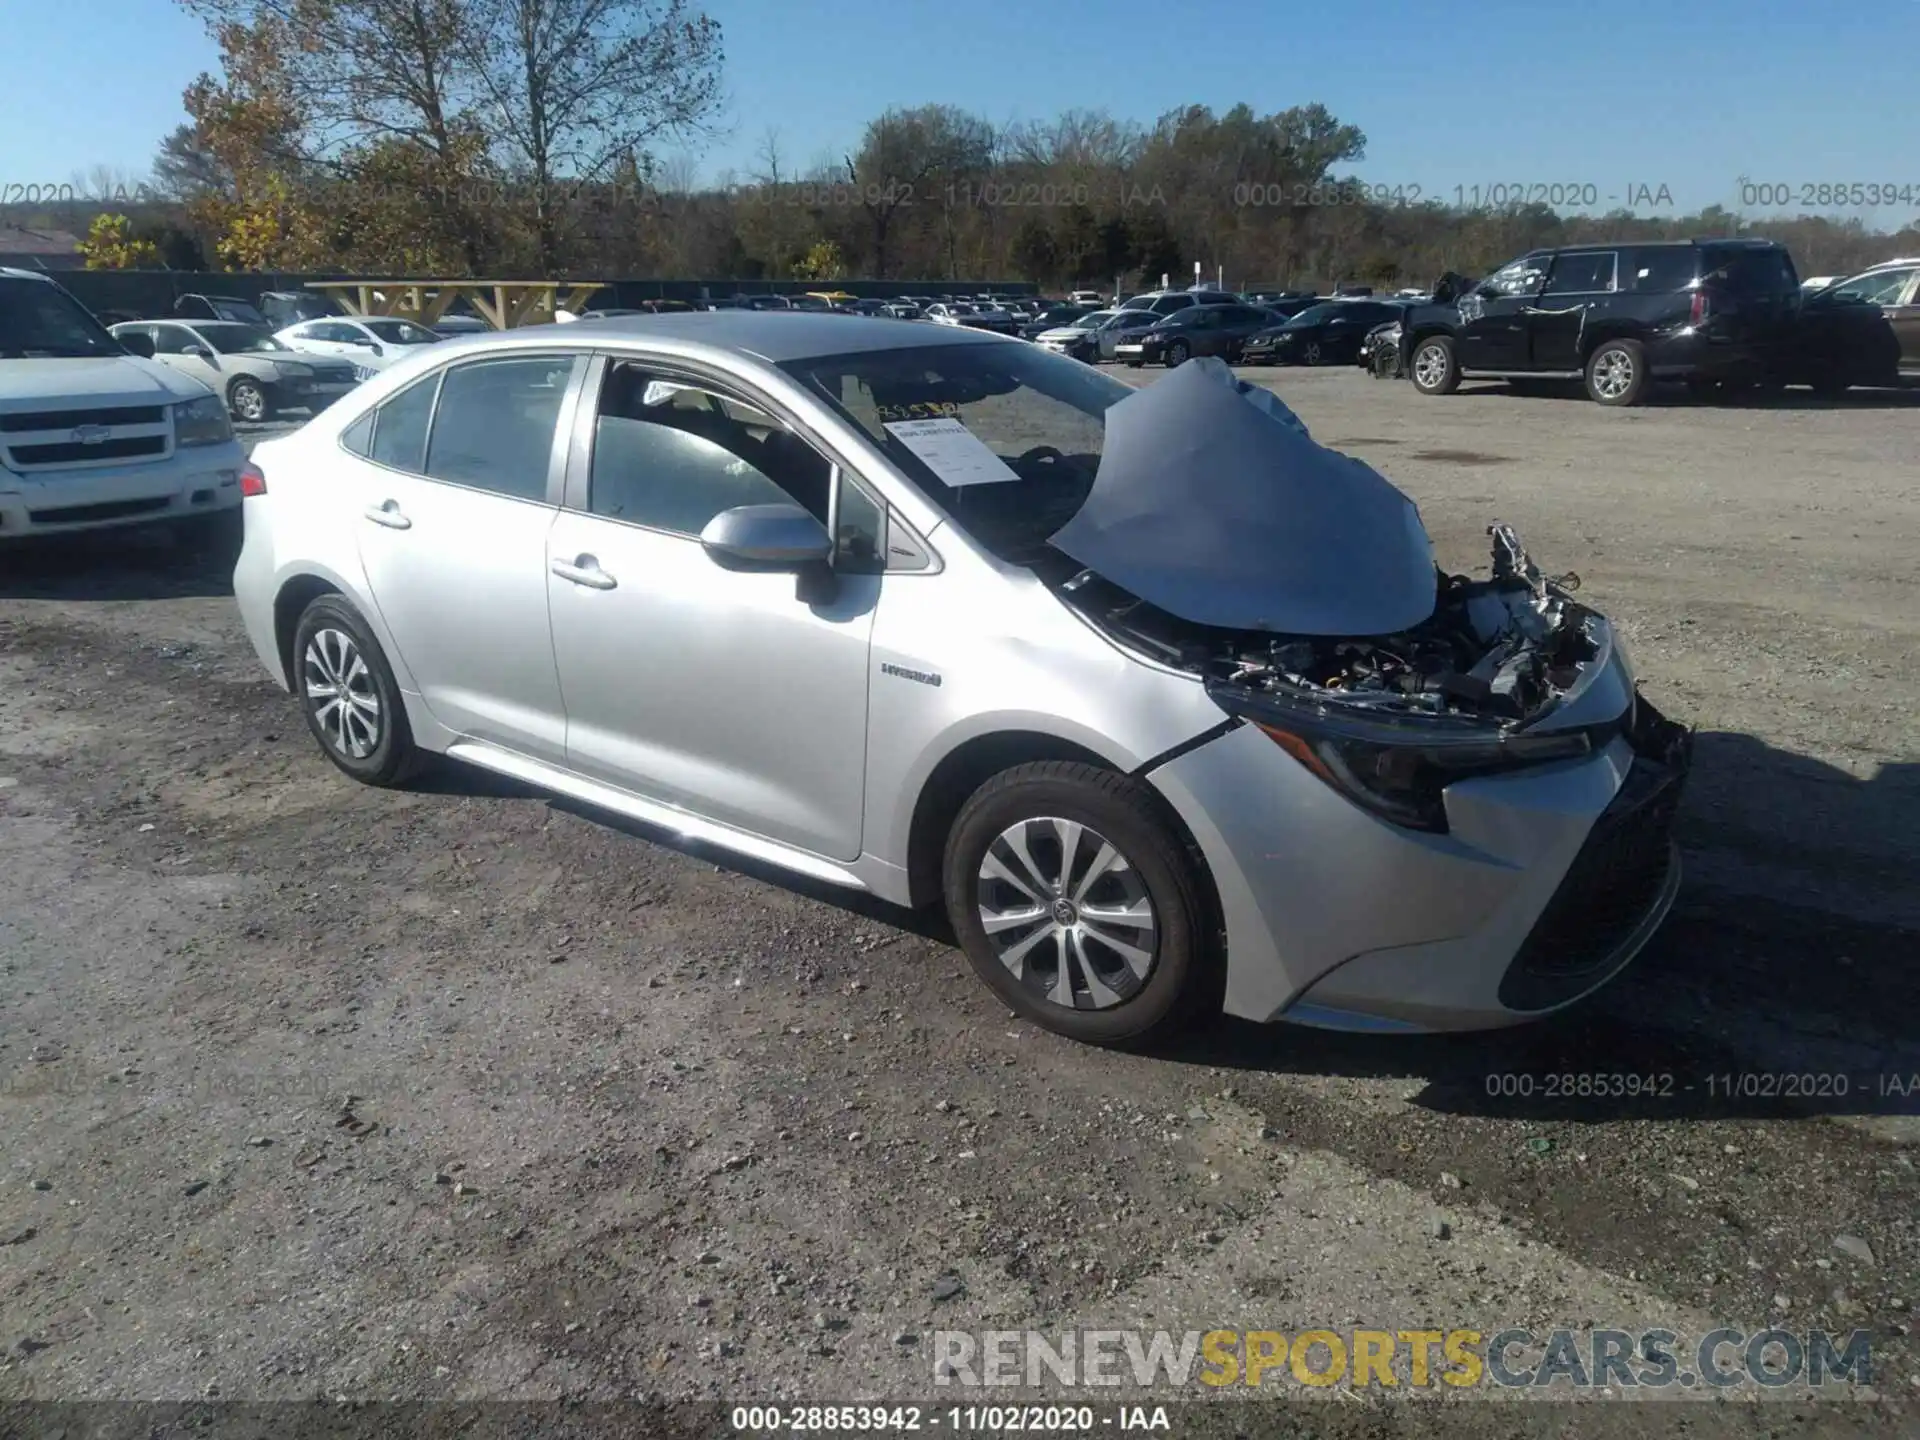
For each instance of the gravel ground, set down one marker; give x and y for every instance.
(314, 1091)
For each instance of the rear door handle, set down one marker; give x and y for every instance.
(388, 514)
(584, 570)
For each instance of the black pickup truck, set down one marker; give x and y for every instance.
(1618, 317)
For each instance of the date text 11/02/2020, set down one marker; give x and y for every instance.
(1717, 1085)
(1493, 195)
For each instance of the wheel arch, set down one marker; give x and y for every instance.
(974, 761)
(290, 602)
(1595, 336)
(296, 590)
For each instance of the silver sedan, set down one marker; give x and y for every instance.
(1166, 704)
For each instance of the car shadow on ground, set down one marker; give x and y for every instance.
(1734, 990)
(1679, 397)
(172, 561)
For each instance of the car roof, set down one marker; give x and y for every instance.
(772, 337)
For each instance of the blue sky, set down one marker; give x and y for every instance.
(1686, 94)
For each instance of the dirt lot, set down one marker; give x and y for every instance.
(309, 1090)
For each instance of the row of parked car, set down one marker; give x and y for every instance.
(1723, 316)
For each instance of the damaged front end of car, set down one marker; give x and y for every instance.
(1299, 586)
(1390, 721)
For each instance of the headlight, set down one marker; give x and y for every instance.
(293, 370)
(201, 422)
(1397, 766)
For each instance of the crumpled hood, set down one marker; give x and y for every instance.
(1214, 504)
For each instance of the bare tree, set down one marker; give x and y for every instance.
(906, 157)
(574, 86)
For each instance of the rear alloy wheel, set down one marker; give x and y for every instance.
(349, 695)
(1177, 354)
(1617, 373)
(1078, 904)
(247, 400)
(1433, 368)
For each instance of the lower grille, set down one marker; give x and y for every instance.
(111, 510)
(1616, 880)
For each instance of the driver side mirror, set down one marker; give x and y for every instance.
(379, 349)
(137, 342)
(199, 352)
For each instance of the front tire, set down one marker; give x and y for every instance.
(1617, 373)
(247, 400)
(1312, 354)
(1080, 906)
(348, 694)
(1434, 368)
(1177, 354)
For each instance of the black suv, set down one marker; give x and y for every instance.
(1617, 317)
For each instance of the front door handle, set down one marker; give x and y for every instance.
(584, 570)
(388, 514)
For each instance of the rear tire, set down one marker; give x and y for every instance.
(348, 694)
(1433, 367)
(1617, 373)
(1102, 862)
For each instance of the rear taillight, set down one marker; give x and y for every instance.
(1702, 309)
(253, 480)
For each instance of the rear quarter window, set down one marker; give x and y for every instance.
(1750, 272)
(1662, 270)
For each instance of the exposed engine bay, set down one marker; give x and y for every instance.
(1501, 649)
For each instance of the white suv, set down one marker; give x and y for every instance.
(94, 434)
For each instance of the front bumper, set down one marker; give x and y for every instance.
(1547, 884)
(193, 481)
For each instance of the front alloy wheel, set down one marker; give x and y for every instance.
(1434, 369)
(1067, 914)
(247, 400)
(1312, 353)
(1081, 905)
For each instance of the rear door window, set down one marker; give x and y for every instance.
(1582, 272)
(493, 428)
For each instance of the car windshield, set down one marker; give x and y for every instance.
(1093, 321)
(1040, 417)
(1312, 315)
(400, 332)
(239, 339)
(37, 318)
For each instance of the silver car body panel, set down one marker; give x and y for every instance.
(805, 737)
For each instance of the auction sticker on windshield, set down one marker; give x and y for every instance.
(954, 453)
